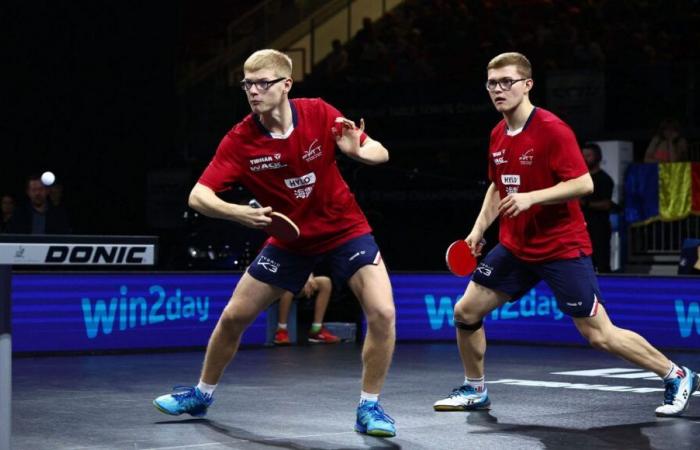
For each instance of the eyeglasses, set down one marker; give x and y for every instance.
(262, 85)
(504, 83)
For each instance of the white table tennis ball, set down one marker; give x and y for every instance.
(48, 178)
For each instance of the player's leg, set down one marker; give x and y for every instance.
(469, 312)
(250, 298)
(282, 333)
(372, 287)
(271, 273)
(318, 333)
(498, 278)
(680, 382)
(359, 262)
(575, 287)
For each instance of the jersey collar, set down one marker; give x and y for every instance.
(266, 132)
(527, 122)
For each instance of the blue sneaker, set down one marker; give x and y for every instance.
(184, 399)
(464, 398)
(372, 420)
(677, 394)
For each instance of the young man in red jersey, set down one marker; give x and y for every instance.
(537, 174)
(284, 153)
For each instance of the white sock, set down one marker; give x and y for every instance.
(207, 389)
(476, 383)
(674, 372)
(281, 326)
(367, 397)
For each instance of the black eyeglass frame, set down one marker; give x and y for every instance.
(500, 82)
(262, 85)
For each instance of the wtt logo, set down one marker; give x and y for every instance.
(687, 317)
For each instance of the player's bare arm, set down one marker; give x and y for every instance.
(347, 137)
(205, 201)
(488, 213)
(514, 204)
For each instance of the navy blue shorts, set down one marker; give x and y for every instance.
(573, 281)
(290, 271)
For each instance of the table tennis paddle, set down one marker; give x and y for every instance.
(460, 259)
(281, 227)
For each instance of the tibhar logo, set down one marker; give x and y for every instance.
(268, 264)
(267, 163)
(95, 254)
(527, 157)
(125, 312)
(499, 157)
(313, 152)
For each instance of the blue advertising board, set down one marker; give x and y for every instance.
(86, 311)
(92, 312)
(665, 310)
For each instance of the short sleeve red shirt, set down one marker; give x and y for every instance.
(297, 176)
(543, 154)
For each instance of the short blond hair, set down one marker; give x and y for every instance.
(279, 62)
(516, 59)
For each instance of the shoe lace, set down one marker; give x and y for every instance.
(188, 395)
(376, 411)
(463, 390)
(671, 390)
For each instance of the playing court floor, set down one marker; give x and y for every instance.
(305, 397)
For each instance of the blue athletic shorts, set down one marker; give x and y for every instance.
(573, 281)
(290, 271)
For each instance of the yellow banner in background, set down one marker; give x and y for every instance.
(675, 193)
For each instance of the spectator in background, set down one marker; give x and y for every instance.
(321, 287)
(596, 208)
(7, 207)
(337, 61)
(38, 216)
(667, 145)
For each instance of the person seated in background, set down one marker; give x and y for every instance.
(322, 287)
(7, 209)
(667, 145)
(38, 215)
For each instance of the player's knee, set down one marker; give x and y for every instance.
(382, 317)
(463, 314)
(324, 284)
(234, 320)
(598, 340)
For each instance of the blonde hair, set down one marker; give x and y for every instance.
(518, 60)
(280, 63)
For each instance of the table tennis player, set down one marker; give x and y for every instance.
(537, 174)
(284, 154)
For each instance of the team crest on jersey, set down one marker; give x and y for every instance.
(268, 162)
(499, 157)
(527, 157)
(313, 152)
(302, 186)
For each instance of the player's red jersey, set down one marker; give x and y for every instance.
(296, 175)
(544, 153)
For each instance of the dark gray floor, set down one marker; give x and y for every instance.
(305, 397)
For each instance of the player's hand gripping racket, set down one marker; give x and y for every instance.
(460, 259)
(281, 227)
